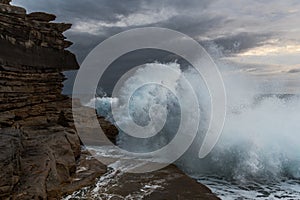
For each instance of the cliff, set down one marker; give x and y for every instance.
(39, 148)
(40, 151)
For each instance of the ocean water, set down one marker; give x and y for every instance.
(258, 153)
(285, 189)
(229, 190)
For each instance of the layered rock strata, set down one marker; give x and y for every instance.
(39, 147)
(40, 151)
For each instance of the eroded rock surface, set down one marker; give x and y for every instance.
(5, 1)
(39, 147)
(40, 151)
(168, 183)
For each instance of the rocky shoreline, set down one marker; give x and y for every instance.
(165, 184)
(40, 151)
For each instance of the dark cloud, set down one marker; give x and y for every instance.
(292, 71)
(191, 17)
(192, 26)
(233, 26)
(188, 17)
(108, 10)
(70, 10)
(218, 26)
(241, 42)
(83, 43)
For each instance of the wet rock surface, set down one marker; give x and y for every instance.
(168, 183)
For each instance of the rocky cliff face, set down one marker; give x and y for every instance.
(39, 148)
(40, 152)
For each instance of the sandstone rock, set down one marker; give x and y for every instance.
(166, 184)
(11, 9)
(110, 130)
(175, 185)
(10, 147)
(40, 152)
(33, 30)
(88, 170)
(5, 1)
(39, 148)
(20, 58)
(40, 16)
(62, 27)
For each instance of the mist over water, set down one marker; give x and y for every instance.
(260, 141)
(150, 95)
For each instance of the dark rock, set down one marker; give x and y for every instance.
(10, 147)
(176, 185)
(26, 30)
(41, 16)
(5, 1)
(88, 170)
(40, 152)
(165, 184)
(4, 8)
(110, 130)
(62, 27)
(20, 58)
(39, 148)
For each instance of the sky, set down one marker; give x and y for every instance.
(257, 38)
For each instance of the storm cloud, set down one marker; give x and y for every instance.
(242, 31)
(95, 20)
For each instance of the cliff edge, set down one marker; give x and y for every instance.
(39, 147)
(40, 151)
